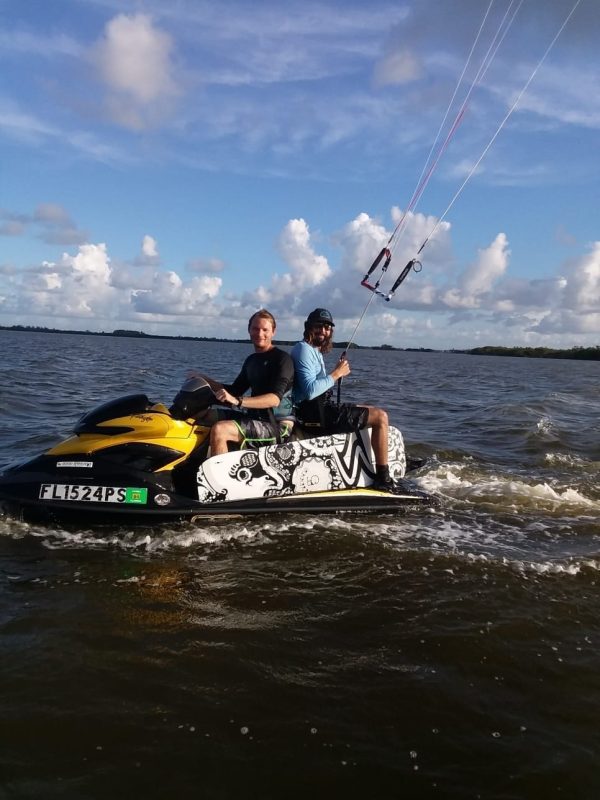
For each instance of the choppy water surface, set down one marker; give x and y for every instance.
(451, 652)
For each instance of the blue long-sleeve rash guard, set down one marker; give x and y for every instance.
(310, 378)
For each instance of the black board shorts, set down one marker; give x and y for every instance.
(345, 418)
(257, 432)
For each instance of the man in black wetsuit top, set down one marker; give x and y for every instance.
(265, 417)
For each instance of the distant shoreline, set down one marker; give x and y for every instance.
(577, 353)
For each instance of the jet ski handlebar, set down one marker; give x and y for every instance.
(194, 396)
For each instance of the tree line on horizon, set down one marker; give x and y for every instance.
(578, 353)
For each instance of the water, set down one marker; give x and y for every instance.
(446, 653)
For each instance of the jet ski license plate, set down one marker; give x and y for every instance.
(93, 494)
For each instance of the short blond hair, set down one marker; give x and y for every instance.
(262, 313)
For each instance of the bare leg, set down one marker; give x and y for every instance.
(378, 422)
(221, 434)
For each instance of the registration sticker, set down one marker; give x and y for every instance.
(93, 494)
(81, 464)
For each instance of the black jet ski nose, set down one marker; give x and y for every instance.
(121, 407)
(194, 396)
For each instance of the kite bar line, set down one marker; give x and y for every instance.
(500, 126)
(428, 169)
(427, 172)
(384, 258)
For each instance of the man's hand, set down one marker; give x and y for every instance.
(342, 369)
(223, 396)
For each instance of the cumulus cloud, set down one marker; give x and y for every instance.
(480, 277)
(125, 276)
(89, 285)
(563, 321)
(582, 289)
(149, 247)
(394, 328)
(307, 268)
(481, 299)
(77, 285)
(314, 282)
(416, 228)
(482, 292)
(576, 306)
(204, 265)
(134, 59)
(52, 214)
(149, 255)
(170, 296)
(567, 304)
(57, 227)
(518, 293)
(51, 222)
(362, 239)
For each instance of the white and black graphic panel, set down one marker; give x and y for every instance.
(396, 454)
(320, 464)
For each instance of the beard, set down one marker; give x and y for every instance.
(317, 337)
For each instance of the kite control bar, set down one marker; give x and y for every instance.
(412, 264)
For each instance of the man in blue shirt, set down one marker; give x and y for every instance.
(313, 388)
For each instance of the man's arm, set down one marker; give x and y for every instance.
(280, 382)
(270, 400)
(232, 392)
(283, 379)
(226, 393)
(311, 379)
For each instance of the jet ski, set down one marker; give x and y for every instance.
(134, 461)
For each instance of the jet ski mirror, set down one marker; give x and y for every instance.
(194, 396)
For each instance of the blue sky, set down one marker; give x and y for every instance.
(171, 167)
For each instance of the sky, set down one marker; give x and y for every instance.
(173, 167)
